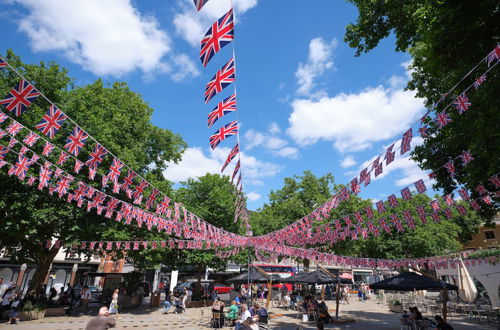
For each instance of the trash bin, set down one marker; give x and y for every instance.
(155, 299)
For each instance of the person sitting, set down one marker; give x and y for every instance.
(441, 324)
(415, 315)
(259, 314)
(245, 314)
(168, 302)
(232, 314)
(102, 321)
(249, 324)
(218, 307)
(287, 301)
(323, 315)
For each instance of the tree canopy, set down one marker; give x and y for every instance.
(119, 119)
(446, 39)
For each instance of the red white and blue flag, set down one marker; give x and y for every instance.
(47, 149)
(199, 4)
(63, 158)
(493, 55)
(115, 170)
(479, 81)
(442, 119)
(462, 103)
(234, 152)
(466, 157)
(20, 168)
(223, 78)
(75, 141)
(20, 97)
(3, 64)
(163, 206)
(51, 122)
(44, 177)
(96, 157)
(222, 133)
(31, 139)
(3, 117)
(14, 128)
(218, 35)
(235, 171)
(223, 108)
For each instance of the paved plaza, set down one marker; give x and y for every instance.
(368, 315)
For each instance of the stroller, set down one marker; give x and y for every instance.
(180, 305)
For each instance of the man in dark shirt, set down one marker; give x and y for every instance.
(102, 321)
(441, 324)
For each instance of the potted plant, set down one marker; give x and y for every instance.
(29, 311)
(395, 306)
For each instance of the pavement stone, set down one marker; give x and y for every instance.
(368, 315)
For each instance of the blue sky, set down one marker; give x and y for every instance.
(304, 101)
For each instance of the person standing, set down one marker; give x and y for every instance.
(86, 295)
(14, 308)
(113, 306)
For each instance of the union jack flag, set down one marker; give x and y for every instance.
(96, 157)
(493, 55)
(3, 117)
(223, 78)
(442, 119)
(3, 64)
(406, 194)
(422, 214)
(31, 180)
(199, 4)
(479, 81)
(163, 206)
(128, 181)
(355, 188)
(14, 128)
(23, 150)
(63, 158)
(466, 157)
(152, 198)
(223, 108)
(487, 200)
(462, 103)
(2, 133)
(47, 149)
(377, 165)
(3, 152)
(78, 166)
(450, 167)
(481, 190)
(420, 186)
(369, 212)
(234, 152)
(435, 206)
(75, 141)
(475, 205)
(423, 131)
(464, 194)
(495, 180)
(115, 170)
(405, 141)
(222, 133)
(44, 177)
(31, 139)
(380, 206)
(20, 168)
(63, 185)
(364, 176)
(218, 35)
(389, 155)
(235, 171)
(392, 200)
(20, 97)
(51, 122)
(449, 199)
(139, 190)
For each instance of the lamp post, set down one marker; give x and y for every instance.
(337, 292)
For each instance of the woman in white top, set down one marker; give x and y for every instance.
(113, 307)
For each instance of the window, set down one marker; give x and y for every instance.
(489, 234)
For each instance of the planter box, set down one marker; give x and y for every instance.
(396, 308)
(59, 311)
(32, 315)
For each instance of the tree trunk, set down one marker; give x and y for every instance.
(44, 262)
(306, 264)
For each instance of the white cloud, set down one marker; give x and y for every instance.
(184, 68)
(253, 196)
(348, 162)
(196, 163)
(274, 128)
(272, 143)
(105, 37)
(318, 61)
(192, 25)
(354, 121)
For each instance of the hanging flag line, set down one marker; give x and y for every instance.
(95, 198)
(218, 35)
(302, 234)
(376, 165)
(21, 97)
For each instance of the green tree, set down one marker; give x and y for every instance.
(120, 120)
(445, 39)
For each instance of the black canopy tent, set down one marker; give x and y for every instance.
(254, 276)
(315, 277)
(410, 281)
